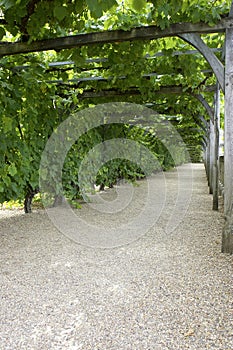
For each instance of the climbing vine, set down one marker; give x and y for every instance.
(38, 92)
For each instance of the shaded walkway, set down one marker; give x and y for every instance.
(159, 292)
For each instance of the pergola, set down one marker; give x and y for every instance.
(190, 33)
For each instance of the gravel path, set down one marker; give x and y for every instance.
(162, 291)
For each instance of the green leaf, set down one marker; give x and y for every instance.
(12, 169)
(1, 188)
(94, 8)
(107, 4)
(79, 6)
(7, 124)
(138, 5)
(60, 12)
(2, 32)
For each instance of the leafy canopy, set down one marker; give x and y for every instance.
(37, 94)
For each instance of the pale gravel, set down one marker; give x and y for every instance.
(159, 292)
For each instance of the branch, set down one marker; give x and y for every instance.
(23, 26)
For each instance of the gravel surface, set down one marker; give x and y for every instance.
(161, 291)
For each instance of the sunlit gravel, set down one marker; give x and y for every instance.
(162, 291)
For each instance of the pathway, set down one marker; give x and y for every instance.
(161, 291)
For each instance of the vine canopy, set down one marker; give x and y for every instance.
(39, 90)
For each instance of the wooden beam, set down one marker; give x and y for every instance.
(231, 10)
(107, 93)
(199, 122)
(227, 237)
(162, 90)
(139, 33)
(208, 160)
(205, 123)
(54, 65)
(134, 91)
(180, 53)
(211, 155)
(205, 140)
(76, 81)
(205, 104)
(216, 147)
(217, 66)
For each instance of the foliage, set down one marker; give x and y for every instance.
(110, 172)
(37, 96)
(33, 19)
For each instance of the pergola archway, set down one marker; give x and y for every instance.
(191, 33)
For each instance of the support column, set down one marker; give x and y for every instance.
(227, 236)
(211, 155)
(205, 145)
(208, 161)
(205, 156)
(216, 148)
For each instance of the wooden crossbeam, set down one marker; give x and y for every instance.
(139, 33)
(57, 65)
(76, 81)
(134, 91)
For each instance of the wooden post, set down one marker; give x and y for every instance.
(216, 148)
(211, 157)
(208, 161)
(205, 142)
(227, 236)
(204, 153)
